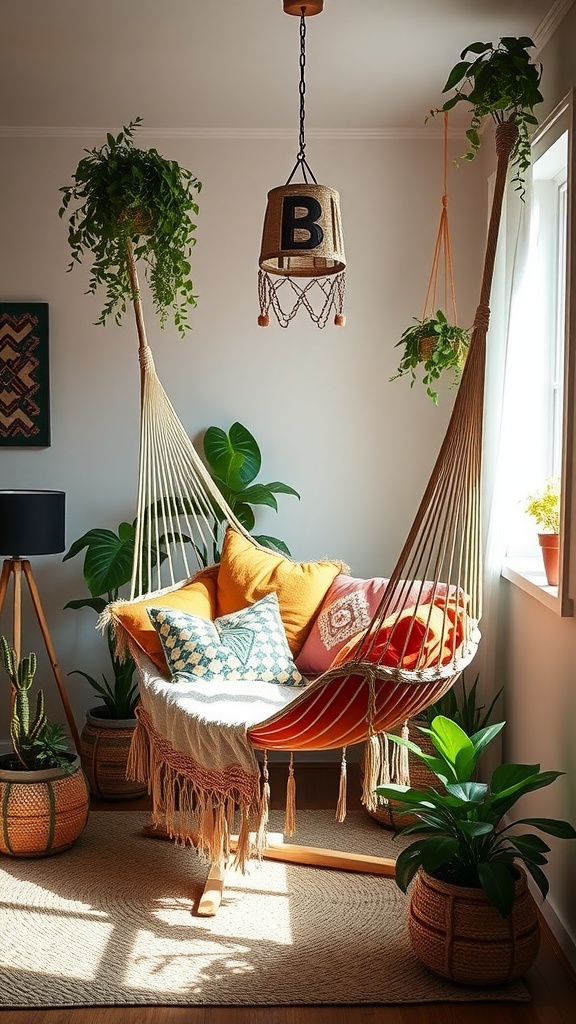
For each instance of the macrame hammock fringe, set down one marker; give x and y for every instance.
(357, 701)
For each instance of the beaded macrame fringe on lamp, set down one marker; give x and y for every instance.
(302, 234)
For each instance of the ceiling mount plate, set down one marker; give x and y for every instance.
(303, 7)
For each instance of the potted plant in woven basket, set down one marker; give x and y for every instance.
(44, 798)
(107, 733)
(501, 82)
(471, 916)
(544, 507)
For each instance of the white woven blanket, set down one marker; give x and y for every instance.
(209, 720)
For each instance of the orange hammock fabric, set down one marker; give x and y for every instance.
(408, 656)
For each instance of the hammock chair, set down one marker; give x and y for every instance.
(195, 743)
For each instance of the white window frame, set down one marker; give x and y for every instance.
(526, 574)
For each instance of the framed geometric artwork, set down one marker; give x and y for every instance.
(24, 375)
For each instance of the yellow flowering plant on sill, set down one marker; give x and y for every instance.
(544, 507)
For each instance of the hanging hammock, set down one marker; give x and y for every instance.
(201, 766)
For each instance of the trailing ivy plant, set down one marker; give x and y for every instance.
(122, 200)
(433, 345)
(501, 82)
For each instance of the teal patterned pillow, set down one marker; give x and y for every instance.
(249, 644)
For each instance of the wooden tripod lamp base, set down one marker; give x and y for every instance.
(32, 521)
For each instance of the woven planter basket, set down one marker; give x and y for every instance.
(43, 812)
(104, 748)
(457, 934)
(420, 778)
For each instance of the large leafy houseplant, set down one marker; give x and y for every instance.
(107, 569)
(234, 461)
(434, 346)
(464, 836)
(127, 205)
(502, 82)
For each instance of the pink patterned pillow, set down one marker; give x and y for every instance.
(347, 609)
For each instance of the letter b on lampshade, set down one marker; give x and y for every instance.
(302, 233)
(32, 522)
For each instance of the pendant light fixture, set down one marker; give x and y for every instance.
(302, 261)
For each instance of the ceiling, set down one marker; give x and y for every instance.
(232, 66)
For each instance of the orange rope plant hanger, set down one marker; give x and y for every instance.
(436, 343)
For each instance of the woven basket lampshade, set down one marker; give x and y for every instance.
(302, 233)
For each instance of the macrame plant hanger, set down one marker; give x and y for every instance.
(442, 254)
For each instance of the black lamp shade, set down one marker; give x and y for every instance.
(32, 522)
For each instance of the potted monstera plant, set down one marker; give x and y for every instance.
(44, 800)
(471, 915)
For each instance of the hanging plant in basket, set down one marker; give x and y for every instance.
(503, 83)
(436, 344)
(127, 205)
(433, 346)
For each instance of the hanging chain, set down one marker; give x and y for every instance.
(301, 157)
(302, 89)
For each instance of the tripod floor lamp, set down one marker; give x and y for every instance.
(32, 523)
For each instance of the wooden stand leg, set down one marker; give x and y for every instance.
(288, 853)
(211, 897)
(15, 567)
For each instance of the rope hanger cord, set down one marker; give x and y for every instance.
(442, 245)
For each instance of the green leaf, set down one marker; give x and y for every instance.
(437, 851)
(407, 863)
(108, 562)
(234, 456)
(552, 826)
(498, 883)
(476, 48)
(273, 543)
(459, 71)
(97, 604)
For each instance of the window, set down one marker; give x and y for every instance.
(539, 389)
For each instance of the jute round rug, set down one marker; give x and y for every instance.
(111, 922)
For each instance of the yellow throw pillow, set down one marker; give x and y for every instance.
(248, 574)
(130, 619)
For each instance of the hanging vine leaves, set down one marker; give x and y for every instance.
(119, 195)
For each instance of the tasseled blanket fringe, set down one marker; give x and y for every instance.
(195, 805)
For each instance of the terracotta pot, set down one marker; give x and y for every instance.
(457, 934)
(43, 812)
(550, 546)
(104, 748)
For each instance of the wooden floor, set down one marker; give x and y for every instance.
(550, 981)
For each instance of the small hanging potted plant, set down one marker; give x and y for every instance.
(544, 507)
(471, 916)
(434, 346)
(44, 798)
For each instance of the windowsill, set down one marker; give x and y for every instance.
(527, 575)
